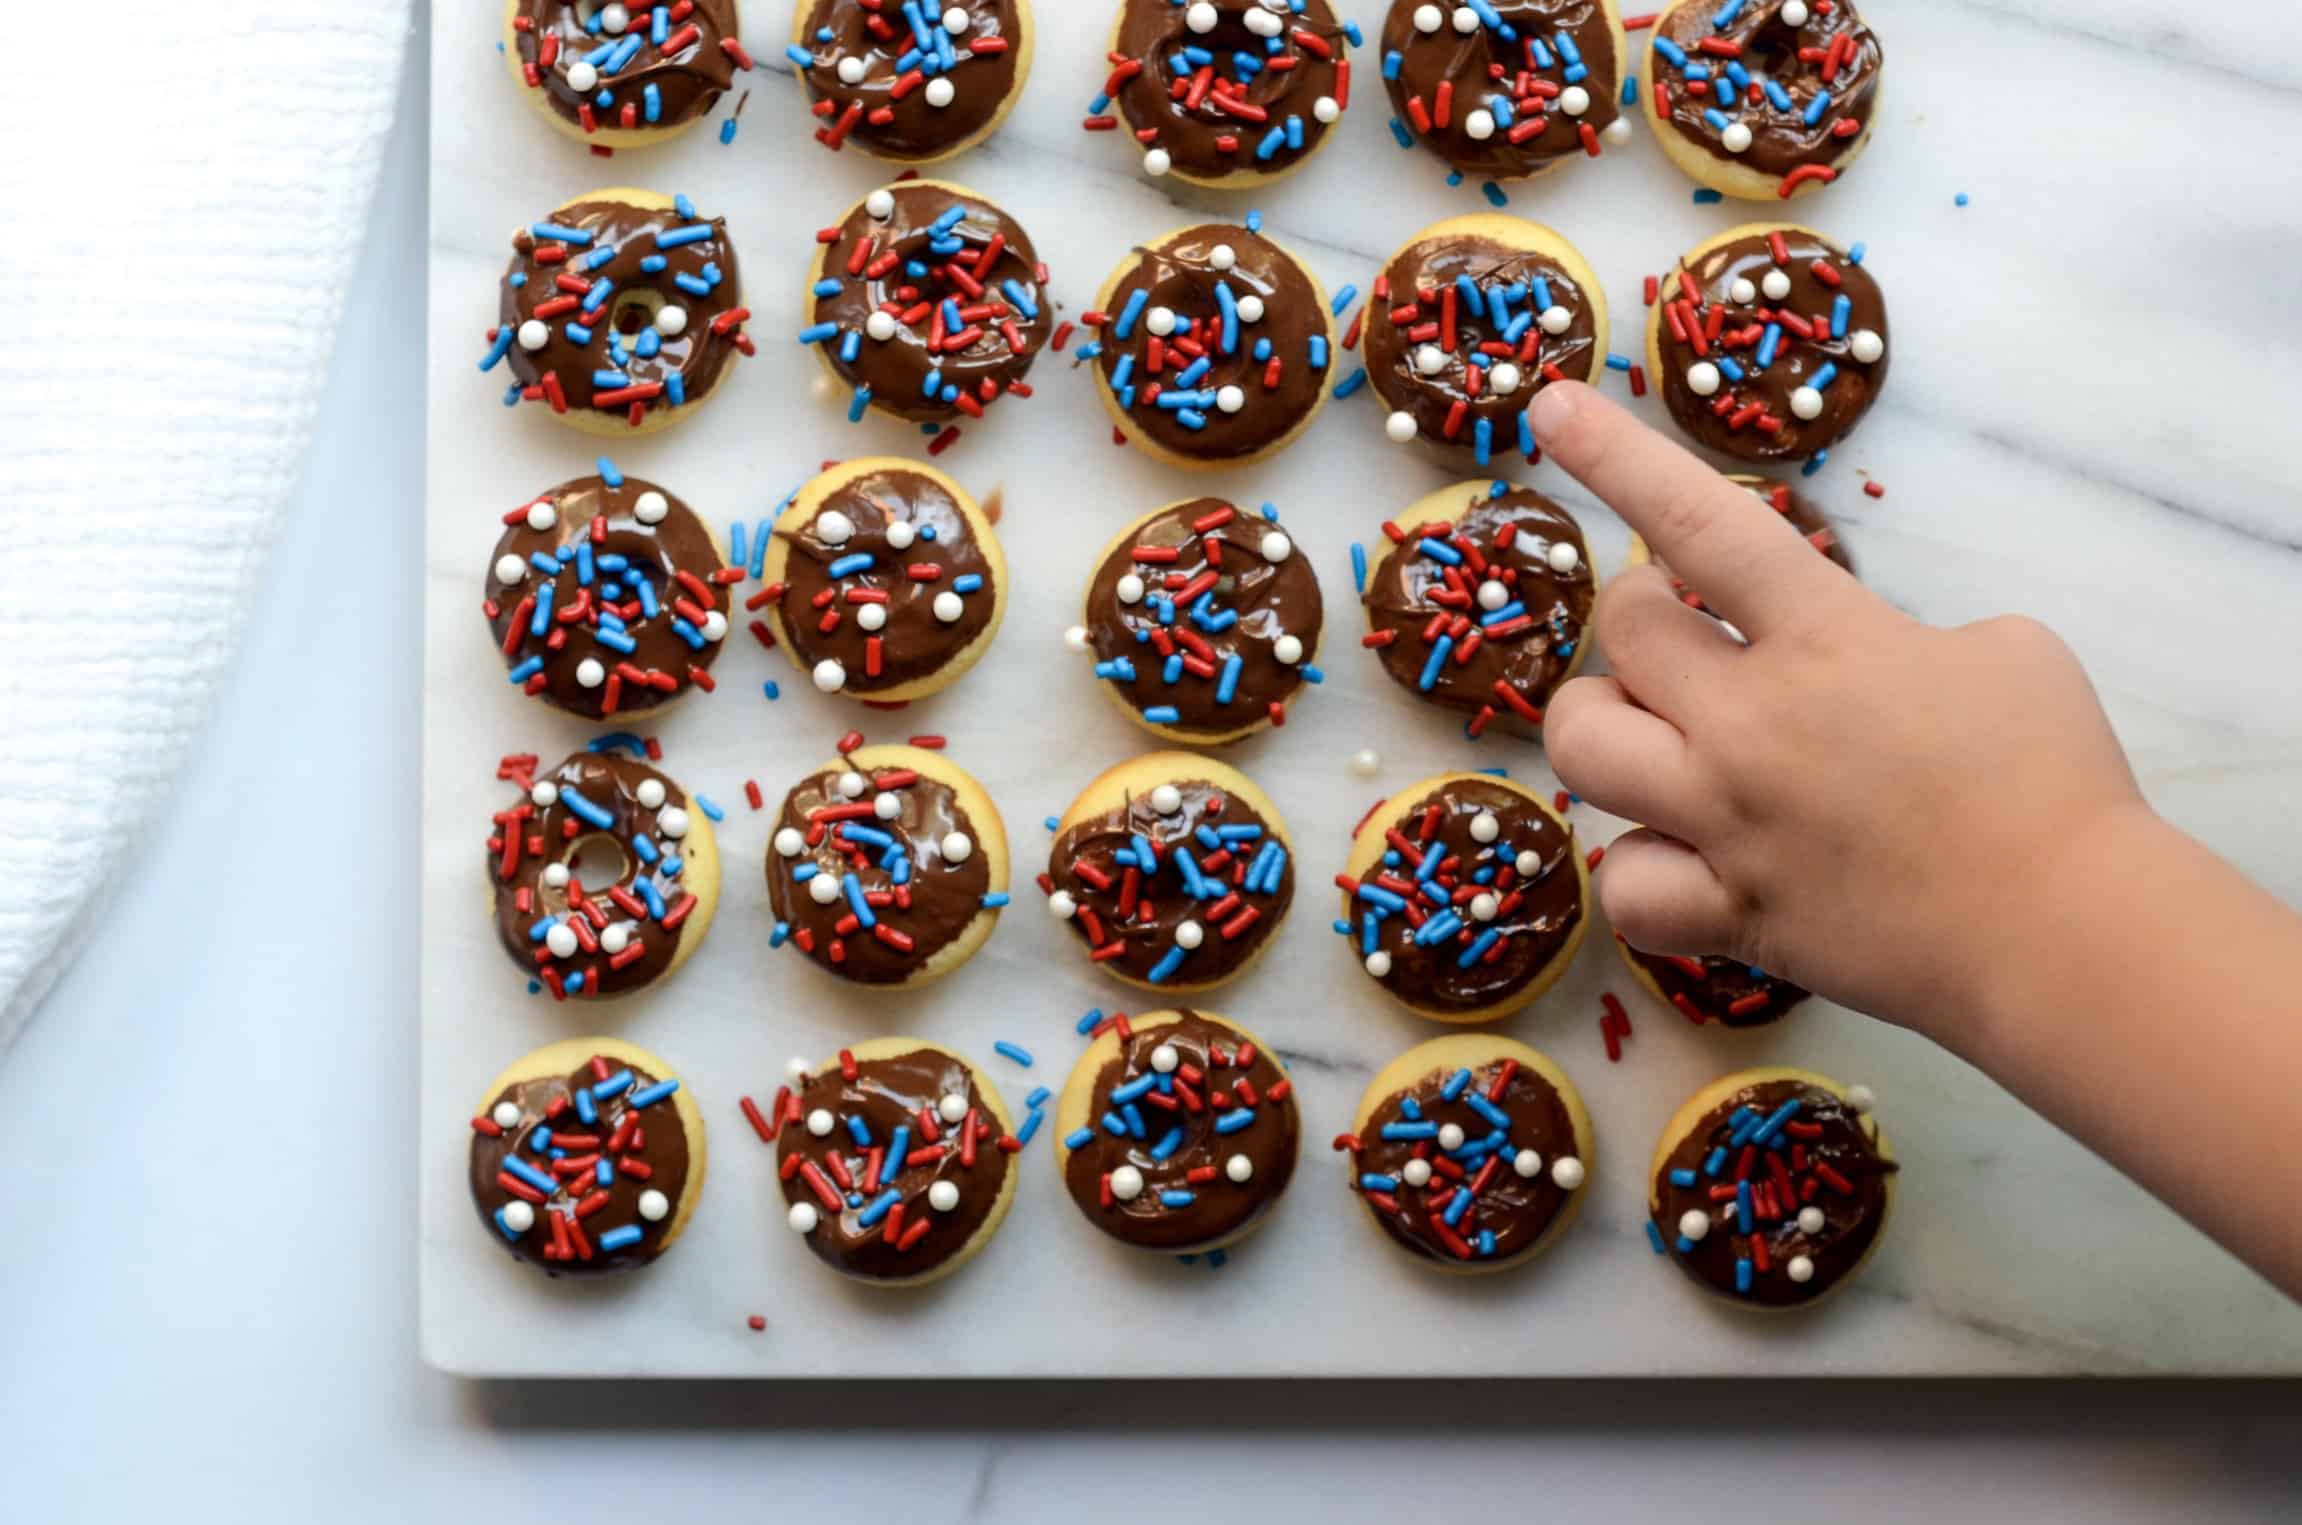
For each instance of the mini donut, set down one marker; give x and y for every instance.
(1481, 602)
(1214, 347)
(587, 1157)
(1177, 1132)
(620, 312)
(1465, 897)
(893, 276)
(1473, 317)
(1226, 93)
(1771, 1187)
(622, 75)
(897, 1161)
(1766, 99)
(1507, 89)
(1712, 987)
(885, 580)
(1471, 1152)
(602, 939)
(607, 596)
(1768, 342)
(913, 85)
(1784, 499)
(1203, 622)
(912, 853)
(1220, 878)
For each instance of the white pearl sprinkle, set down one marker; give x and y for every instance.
(1287, 650)
(714, 627)
(1485, 827)
(1702, 378)
(1466, 20)
(1263, 24)
(1327, 110)
(956, 21)
(829, 676)
(1741, 292)
(1130, 589)
(1160, 321)
(1617, 131)
(1378, 963)
(561, 939)
(1126, 1183)
(851, 70)
(589, 673)
(535, 333)
(1736, 138)
(557, 875)
(872, 616)
(583, 78)
(880, 204)
(1416, 1172)
(1529, 864)
(1366, 762)
(1166, 799)
(1694, 1224)
(1166, 1059)
(1429, 18)
(1860, 1098)
(1201, 16)
(956, 847)
(1484, 907)
(823, 889)
(651, 507)
(943, 1196)
(1563, 557)
(1239, 1169)
(507, 1115)
(650, 793)
(887, 805)
(951, 1106)
(1189, 935)
(1810, 1221)
(1806, 402)
(1075, 640)
(1527, 1163)
(1400, 427)
(614, 19)
(1277, 547)
(672, 822)
(1794, 13)
(900, 534)
(1566, 1172)
(654, 1206)
(615, 939)
(1479, 125)
(519, 1216)
(510, 568)
(1222, 257)
(1799, 1269)
(1557, 320)
(880, 326)
(1430, 360)
(1865, 345)
(1061, 906)
(1492, 596)
(541, 515)
(940, 92)
(1230, 399)
(790, 842)
(1574, 100)
(833, 527)
(1450, 1136)
(949, 606)
(1503, 378)
(1157, 162)
(544, 794)
(803, 1217)
(1776, 284)
(1250, 308)
(852, 784)
(671, 320)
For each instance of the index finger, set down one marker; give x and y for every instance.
(1750, 564)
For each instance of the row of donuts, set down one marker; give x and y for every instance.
(1760, 99)
(1212, 346)
(1177, 1133)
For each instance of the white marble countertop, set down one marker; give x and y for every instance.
(161, 1357)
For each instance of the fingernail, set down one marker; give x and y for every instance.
(1550, 412)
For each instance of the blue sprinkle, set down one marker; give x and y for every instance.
(1359, 566)
(1655, 1237)
(1705, 196)
(1342, 300)
(1493, 193)
(1087, 1024)
(1960, 199)
(1177, 1198)
(1354, 381)
(1006, 1050)
(654, 1093)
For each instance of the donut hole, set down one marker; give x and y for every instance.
(633, 311)
(596, 862)
(1772, 53)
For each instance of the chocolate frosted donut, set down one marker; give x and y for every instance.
(1481, 601)
(887, 866)
(1214, 347)
(1713, 987)
(607, 596)
(929, 302)
(884, 580)
(1174, 870)
(1471, 319)
(1471, 1152)
(1179, 1131)
(1785, 500)
(911, 83)
(1203, 622)
(1464, 897)
(620, 310)
(625, 928)
(1768, 342)
(1764, 98)
(1771, 1187)
(622, 75)
(1506, 89)
(896, 1161)
(1226, 93)
(587, 1157)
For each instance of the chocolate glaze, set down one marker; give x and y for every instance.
(1805, 61)
(680, 562)
(889, 111)
(687, 78)
(1009, 335)
(1518, 1210)
(653, 1156)
(1508, 677)
(937, 903)
(1715, 988)
(1809, 302)
(900, 1091)
(1465, 62)
(914, 643)
(1535, 916)
(556, 834)
(1208, 1050)
(1135, 915)
(1423, 285)
(1793, 505)
(1852, 1217)
(1273, 600)
(546, 270)
(1206, 134)
(1178, 274)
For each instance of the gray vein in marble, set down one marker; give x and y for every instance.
(2164, 44)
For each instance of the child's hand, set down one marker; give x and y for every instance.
(1852, 800)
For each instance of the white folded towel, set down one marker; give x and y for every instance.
(179, 211)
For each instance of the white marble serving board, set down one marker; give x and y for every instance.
(2089, 420)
